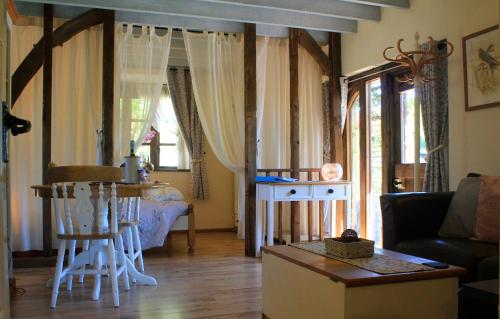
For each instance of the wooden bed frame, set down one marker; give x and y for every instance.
(184, 223)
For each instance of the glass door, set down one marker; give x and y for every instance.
(354, 161)
(374, 160)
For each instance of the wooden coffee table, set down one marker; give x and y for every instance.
(300, 284)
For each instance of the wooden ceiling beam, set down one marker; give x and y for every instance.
(332, 8)
(383, 3)
(218, 11)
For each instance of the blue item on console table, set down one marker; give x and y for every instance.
(273, 179)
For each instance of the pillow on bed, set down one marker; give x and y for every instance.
(168, 194)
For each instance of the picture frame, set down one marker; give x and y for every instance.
(481, 63)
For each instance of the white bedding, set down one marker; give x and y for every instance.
(157, 217)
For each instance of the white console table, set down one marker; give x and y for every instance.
(295, 191)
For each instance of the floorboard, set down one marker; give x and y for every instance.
(216, 282)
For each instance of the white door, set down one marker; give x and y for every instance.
(4, 272)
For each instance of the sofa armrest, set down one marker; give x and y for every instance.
(412, 215)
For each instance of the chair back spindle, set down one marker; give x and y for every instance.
(57, 210)
(114, 209)
(67, 210)
(100, 210)
(129, 210)
(137, 209)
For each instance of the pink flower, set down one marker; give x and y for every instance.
(149, 136)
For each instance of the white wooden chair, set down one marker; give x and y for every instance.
(130, 225)
(101, 234)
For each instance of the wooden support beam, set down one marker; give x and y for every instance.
(336, 145)
(307, 42)
(387, 133)
(108, 73)
(294, 127)
(335, 112)
(47, 122)
(34, 60)
(12, 10)
(250, 75)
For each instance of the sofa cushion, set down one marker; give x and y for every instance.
(488, 268)
(488, 209)
(460, 220)
(460, 252)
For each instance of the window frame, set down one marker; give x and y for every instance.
(154, 154)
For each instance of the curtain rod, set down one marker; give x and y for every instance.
(374, 73)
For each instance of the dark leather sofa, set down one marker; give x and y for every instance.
(411, 222)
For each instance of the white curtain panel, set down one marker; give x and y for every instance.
(141, 61)
(311, 125)
(216, 64)
(273, 114)
(76, 109)
(344, 93)
(273, 103)
(165, 121)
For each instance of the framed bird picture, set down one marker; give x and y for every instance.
(481, 54)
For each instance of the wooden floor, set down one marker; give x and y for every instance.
(216, 282)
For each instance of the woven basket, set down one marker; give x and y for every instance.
(355, 249)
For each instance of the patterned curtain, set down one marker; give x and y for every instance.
(326, 121)
(435, 122)
(180, 87)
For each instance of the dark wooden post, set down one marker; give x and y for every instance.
(294, 127)
(47, 123)
(250, 67)
(336, 146)
(387, 136)
(108, 72)
(335, 114)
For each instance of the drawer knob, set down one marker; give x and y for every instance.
(331, 191)
(293, 191)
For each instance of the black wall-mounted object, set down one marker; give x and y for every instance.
(15, 125)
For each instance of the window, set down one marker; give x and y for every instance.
(353, 221)
(365, 158)
(164, 146)
(374, 143)
(407, 99)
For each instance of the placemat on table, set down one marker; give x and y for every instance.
(378, 263)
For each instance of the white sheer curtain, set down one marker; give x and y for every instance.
(166, 124)
(216, 64)
(141, 61)
(76, 109)
(273, 113)
(311, 123)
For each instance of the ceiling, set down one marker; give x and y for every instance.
(272, 17)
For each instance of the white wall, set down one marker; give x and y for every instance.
(474, 136)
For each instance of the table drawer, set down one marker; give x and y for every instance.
(292, 192)
(330, 191)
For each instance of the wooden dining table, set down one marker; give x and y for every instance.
(123, 190)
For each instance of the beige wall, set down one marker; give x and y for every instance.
(474, 136)
(4, 273)
(218, 211)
